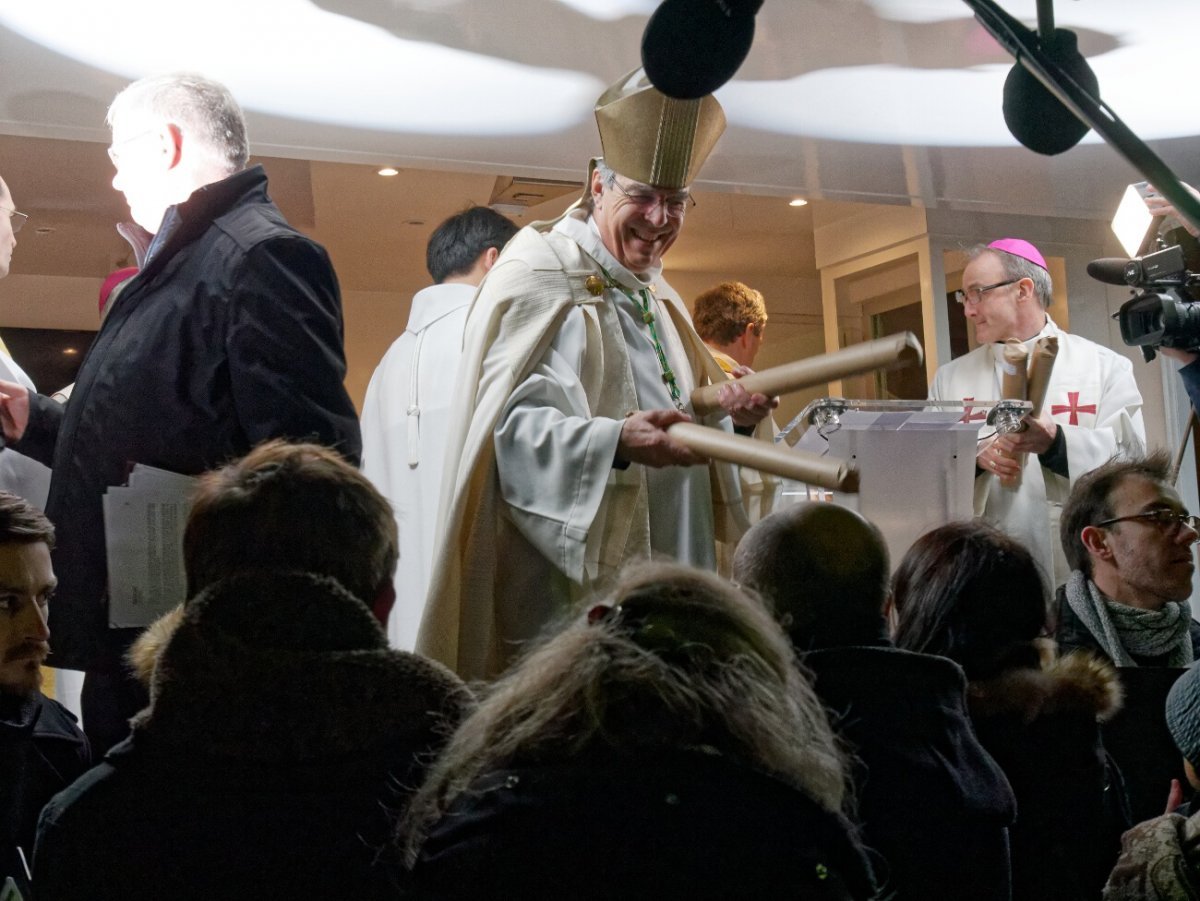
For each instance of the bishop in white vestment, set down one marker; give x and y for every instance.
(578, 357)
(1092, 410)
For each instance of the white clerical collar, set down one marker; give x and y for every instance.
(587, 235)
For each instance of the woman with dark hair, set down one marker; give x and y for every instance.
(971, 593)
(662, 745)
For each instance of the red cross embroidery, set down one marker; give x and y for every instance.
(1072, 407)
(968, 416)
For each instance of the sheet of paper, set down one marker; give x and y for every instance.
(143, 532)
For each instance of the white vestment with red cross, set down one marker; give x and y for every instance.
(1095, 399)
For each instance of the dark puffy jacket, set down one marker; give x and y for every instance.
(1041, 726)
(42, 751)
(652, 824)
(283, 738)
(934, 806)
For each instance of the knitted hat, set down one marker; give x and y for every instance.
(1183, 714)
(1020, 248)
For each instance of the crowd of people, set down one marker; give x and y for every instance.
(538, 646)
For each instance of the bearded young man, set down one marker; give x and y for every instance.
(41, 748)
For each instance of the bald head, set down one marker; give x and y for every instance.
(824, 570)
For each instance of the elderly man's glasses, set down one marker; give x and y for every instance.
(675, 205)
(974, 295)
(1167, 520)
(17, 218)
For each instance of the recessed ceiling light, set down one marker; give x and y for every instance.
(70, 351)
(799, 201)
(389, 171)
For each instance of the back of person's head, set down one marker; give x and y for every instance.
(673, 658)
(23, 523)
(201, 107)
(721, 314)
(969, 592)
(297, 507)
(456, 244)
(1090, 501)
(823, 568)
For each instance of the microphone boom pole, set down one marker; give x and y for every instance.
(1020, 42)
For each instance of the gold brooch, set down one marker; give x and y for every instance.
(594, 285)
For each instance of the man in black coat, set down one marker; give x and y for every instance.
(283, 734)
(230, 334)
(931, 801)
(41, 749)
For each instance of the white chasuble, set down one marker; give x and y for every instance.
(1092, 395)
(535, 511)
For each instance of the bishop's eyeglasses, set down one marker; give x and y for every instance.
(972, 296)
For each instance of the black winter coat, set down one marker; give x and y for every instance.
(231, 334)
(1041, 726)
(652, 824)
(42, 751)
(283, 738)
(934, 806)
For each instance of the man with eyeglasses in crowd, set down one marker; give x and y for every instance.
(18, 474)
(230, 334)
(1091, 413)
(578, 357)
(1130, 543)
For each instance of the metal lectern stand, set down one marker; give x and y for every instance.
(916, 464)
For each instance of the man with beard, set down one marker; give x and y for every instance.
(41, 749)
(1129, 541)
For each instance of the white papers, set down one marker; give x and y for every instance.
(143, 537)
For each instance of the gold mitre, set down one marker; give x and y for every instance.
(653, 138)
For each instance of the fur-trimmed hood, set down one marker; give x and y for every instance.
(288, 667)
(1077, 682)
(143, 653)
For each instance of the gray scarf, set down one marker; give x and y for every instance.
(1123, 631)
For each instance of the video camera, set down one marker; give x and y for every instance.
(1166, 312)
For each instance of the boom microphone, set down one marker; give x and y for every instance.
(1033, 114)
(1036, 117)
(692, 47)
(1110, 270)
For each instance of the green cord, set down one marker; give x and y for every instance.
(668, 375)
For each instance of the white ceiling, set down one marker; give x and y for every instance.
(887, 101)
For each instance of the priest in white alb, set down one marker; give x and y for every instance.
(407, 407)
(1092, 411)
(578, 357)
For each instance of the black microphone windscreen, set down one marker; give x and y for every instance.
(1110, 270)
(1036, 117)
(692, 47)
